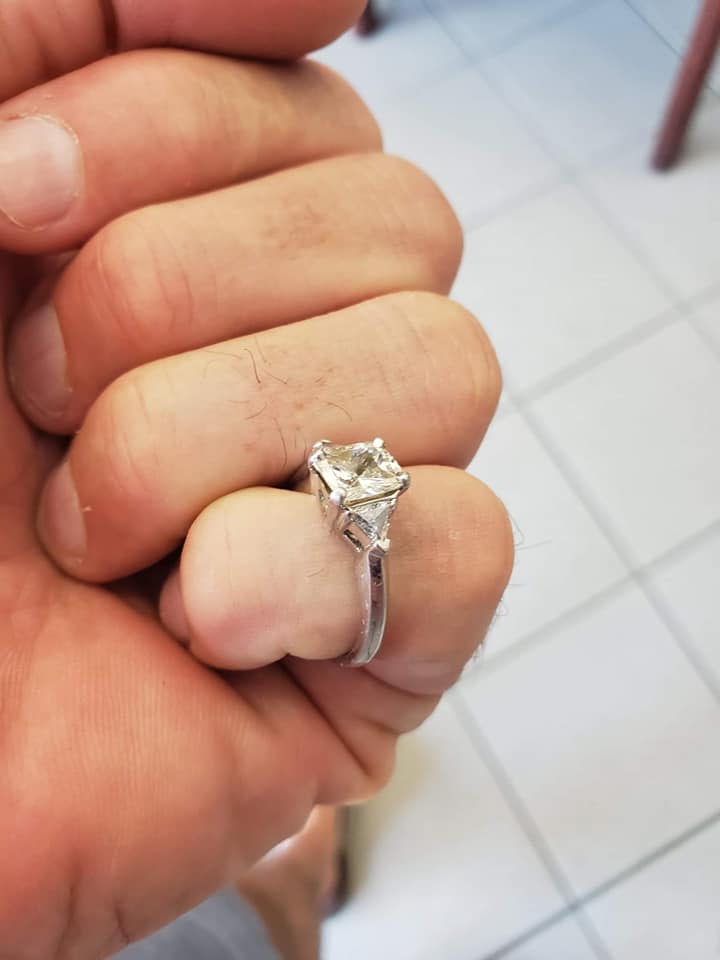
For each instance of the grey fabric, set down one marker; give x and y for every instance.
(224, 927)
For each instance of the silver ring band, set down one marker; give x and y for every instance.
(358, 486)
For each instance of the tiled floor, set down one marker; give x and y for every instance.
(564, 803)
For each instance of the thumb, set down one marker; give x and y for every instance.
(41, 40)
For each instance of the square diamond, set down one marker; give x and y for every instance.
(366, 480)
(360, 471)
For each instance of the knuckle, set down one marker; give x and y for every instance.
(475, 380)
(354, 122)
(124, 428)
(379, 770)
(102, 274)
(462, 371)
(422, 225)
(479, 371)
(128, 275)
(33, 43)
(483, 539)
(372, 762)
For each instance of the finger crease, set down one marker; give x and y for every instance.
(111, 28)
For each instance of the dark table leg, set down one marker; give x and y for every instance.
(688, 85)
(370, 20)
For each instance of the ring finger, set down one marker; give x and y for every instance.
(255, 561)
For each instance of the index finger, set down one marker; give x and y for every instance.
(41, 40)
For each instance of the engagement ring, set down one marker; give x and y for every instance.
(358, 486)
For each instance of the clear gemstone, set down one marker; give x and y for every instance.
(361, 471)
(370, 481)
(376, 516)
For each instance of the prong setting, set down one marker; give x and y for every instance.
(358, 486)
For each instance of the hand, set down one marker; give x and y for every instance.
(134, 780)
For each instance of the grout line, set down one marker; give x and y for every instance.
(681, 51)
(608, 529)
(526, 196)
(664, 850)
(653, 29)
(526, 821)
(530, 934)
(681, 311)
(712, 346)
(684, 547)
(637, 335)
(576, 907)
(515, 38)
(605, 216)
(426, 6)
(702, 666)
(547, 631)
(708, 295)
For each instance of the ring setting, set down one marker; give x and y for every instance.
(358, 486)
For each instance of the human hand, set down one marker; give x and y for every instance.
(135, 781)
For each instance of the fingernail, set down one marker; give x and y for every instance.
(61, 522)
(40, 171)
(38, 362)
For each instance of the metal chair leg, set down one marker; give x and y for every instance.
(370, 20)
(689, 82)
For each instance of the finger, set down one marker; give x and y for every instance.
(261, 577)
(166, 279)
(165, 440)
(41, 40)
(156, 125)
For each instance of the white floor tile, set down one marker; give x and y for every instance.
(551, 283)
(674, 218)
(564, 941)
(462, 133)
(689, 584)
(410, 48)
(674, 20)
(444, 869)
(707, 318)
(669, 911)
(589, 81)
(607, 735)
(562, 559)
(481, 28)
(641, 433)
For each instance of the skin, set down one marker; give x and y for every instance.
(137, 778)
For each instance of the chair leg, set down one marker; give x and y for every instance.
(688, 85)
(370, 20)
